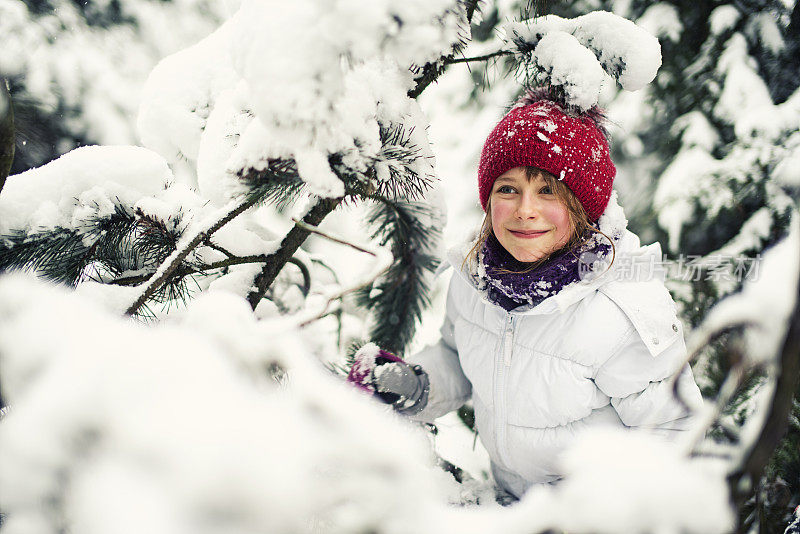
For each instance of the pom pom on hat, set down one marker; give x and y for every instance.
(537, 132)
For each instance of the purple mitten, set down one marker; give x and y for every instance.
(390, 379)
(364, 365)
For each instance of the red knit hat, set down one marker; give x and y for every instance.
(537, 133)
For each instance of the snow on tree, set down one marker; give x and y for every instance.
(220, 416)
(722, 123)
(347, 129)
(76, 68)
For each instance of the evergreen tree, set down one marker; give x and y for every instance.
(168, 252)
(724, 191)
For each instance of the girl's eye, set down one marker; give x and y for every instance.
(505, 189)
(546, 190)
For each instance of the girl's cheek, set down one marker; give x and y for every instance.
(559, 217)
(500, 212)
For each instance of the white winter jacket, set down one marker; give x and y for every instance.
(599, 352)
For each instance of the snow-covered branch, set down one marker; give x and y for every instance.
(328, 236)
(382, 261)
(771, 327)
(783, 372)
(168, 267)
(289, 245)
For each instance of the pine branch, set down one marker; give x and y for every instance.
(398, 299)
(113, 241)
(58, 255)
(383, 261)
(218, 248)
(396, 171)
(400, 154)
(499, 53)
(62, 254)
(279, 183)
(166, 270)
(471, 6)
(315, 230)
(155, 239)
(430, 72)
(187, 269)
(306, 275)
(727, 391)
(289, 245)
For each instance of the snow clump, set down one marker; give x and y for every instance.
(624, 481)
(570, 66)
(320, 78)
(85, 183)
(619, 47)
(182, 423)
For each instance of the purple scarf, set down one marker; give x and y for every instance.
(510, 290)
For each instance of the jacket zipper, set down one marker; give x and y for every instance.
(500, 397)
(508, 346)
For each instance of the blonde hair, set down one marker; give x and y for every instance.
(581, 228)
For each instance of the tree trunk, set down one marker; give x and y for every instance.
(6, 133)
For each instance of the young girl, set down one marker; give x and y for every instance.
(557, 319)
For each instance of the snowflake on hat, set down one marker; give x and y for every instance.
(541, 132)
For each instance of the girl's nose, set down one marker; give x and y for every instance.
(528, 207)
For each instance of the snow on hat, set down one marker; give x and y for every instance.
(537, 132)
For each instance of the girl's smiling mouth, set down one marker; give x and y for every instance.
(528, 234)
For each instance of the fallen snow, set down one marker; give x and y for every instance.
(179, 94)
(723, 18)
(663, 21)
(663, 491)
(93, 73)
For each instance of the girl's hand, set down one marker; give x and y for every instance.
(390, 379)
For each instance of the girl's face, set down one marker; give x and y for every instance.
(527, 218)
